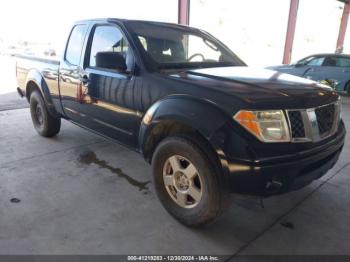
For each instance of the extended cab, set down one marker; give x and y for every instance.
(207, 123)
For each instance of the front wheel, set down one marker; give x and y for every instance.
(187, 182)
(45, 124)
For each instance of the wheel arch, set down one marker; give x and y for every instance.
(185, 116)
(35, 81)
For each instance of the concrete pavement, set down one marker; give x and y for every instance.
(9, 99)
(81, 194)
(8, 74)
(12, 100)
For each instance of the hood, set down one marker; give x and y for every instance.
(261, 88)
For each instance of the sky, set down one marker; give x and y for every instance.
(255, 29)
(48, 20)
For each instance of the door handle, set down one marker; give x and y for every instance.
(315, 70)
(84, 80)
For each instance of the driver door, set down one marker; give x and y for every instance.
(107, 94)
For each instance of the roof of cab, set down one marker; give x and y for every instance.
(331, 54)
(121, 20)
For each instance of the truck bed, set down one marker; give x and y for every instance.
(27, 65)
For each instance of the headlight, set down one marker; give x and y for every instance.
(339, 105)
(267, 126)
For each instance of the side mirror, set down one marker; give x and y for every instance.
(111, 60)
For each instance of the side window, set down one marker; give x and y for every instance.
(343, 62)
(305, 61)
(108, 40)
(75, 44)
(330, 61)
(318, 61)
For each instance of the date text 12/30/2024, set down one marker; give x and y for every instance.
(174, 258)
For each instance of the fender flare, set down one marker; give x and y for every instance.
(35, 77)
(202, 115)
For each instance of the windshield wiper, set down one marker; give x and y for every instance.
(197, 65)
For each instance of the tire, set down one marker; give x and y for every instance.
(194, 209)
(45, 124)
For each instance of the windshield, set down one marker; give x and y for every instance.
(175, 47)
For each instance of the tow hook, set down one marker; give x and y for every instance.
(273, 186)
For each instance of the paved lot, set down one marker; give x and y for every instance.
(12, 100)
(8, 74)
(80, 194)
(9, 99)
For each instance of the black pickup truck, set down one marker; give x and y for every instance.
(207, 123)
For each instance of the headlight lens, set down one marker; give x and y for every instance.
(339, 106)
(267, 126)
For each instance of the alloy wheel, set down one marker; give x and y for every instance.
(182, 181)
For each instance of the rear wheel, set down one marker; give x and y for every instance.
(187, 183)
(45, 124)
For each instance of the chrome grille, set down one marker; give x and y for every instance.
(314, 124)
(325, 118)
(296, 124)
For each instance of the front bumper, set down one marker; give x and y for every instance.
(286, 173)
